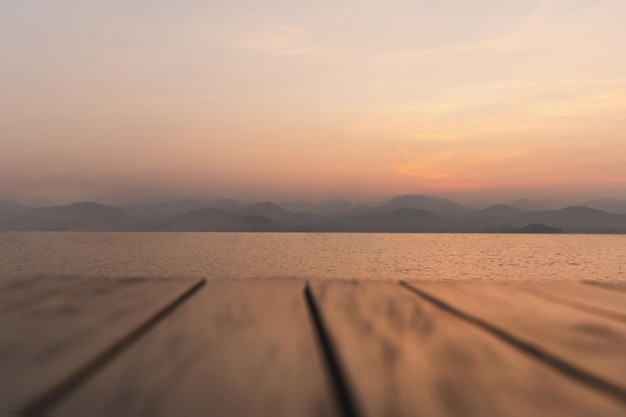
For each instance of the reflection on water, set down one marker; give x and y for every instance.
(315, 255)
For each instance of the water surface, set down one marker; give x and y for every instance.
(495, 257)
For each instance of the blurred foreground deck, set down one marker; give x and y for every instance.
(131, 347)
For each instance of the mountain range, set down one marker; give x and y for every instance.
(402, 214)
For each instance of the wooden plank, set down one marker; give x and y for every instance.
(404, 356)
(592, 299)
(575, 341)
(45, 344)
(20, 293)
(234, 349)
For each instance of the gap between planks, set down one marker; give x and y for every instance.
(39, 405)
(343, 392)
(615, 286)
(564, 367)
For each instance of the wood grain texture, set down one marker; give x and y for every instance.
(233, 349)
(45, 343)
(21, 293)
(593, 344)
(592, 299)
(404, 356)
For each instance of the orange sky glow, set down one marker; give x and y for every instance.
(119, 101)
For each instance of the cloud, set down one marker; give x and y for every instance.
(506, 110)
(285, 29)
(279, 40)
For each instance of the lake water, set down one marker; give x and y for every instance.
(315, 256)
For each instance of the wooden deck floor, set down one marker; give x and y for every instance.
(79, 348)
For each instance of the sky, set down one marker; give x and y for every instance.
(122, 101)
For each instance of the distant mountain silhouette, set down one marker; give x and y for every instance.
(81, 208)
(184, 206)
(496, 217)
(271, 211)
(502, 210)
(360, 210)
(527, 204)
(78, 216)
(322, 208)
(580, 219)
(441, 206)
(82, 216)
(612, 205)
(267, 209)
(366, 209)
(233, 216)
(9, 206)
(538, 229)
(14, 215)
(217, 220)
(401, 220)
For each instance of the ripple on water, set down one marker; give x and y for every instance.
(315, 256)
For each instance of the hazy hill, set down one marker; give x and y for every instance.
(358, 210)
(495, 217)
(321, 208)
(366, 209)
(267, 209)
(612, 205)
(84, 215)
(217, 220)
(538, 229)
(440, 206)
(9, 206)
(527, 204)
(271, 211)
(401, 220)
(81, 208)
(580, 219)
(14, 215)
(183, 206)
(501, 210)
(443, 215)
